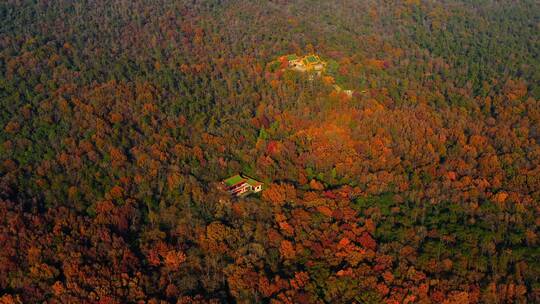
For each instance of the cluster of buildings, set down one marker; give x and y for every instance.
(239, 185)
(309, 63)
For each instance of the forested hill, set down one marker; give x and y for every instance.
(118, 120)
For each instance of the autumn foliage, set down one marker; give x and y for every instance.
(119, 118)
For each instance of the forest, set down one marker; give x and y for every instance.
(120, 118)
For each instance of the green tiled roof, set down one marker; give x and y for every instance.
(253, 182)
(311, 59)
(233, 180)
(291, 57)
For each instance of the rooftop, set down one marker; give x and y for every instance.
(292, 57)
(233, 180)
(312, 59)
(253, 182)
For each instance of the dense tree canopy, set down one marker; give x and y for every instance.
(119, 118)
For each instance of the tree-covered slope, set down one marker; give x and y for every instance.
(119, 118)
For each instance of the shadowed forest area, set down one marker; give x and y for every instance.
(118, 119)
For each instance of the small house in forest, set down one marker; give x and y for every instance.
(348, 93)
(239, 185)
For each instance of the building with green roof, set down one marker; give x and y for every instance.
(292, 57)
(233, 180)
(312, 59)
(239, 185)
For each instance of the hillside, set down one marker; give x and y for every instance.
(119, 119)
